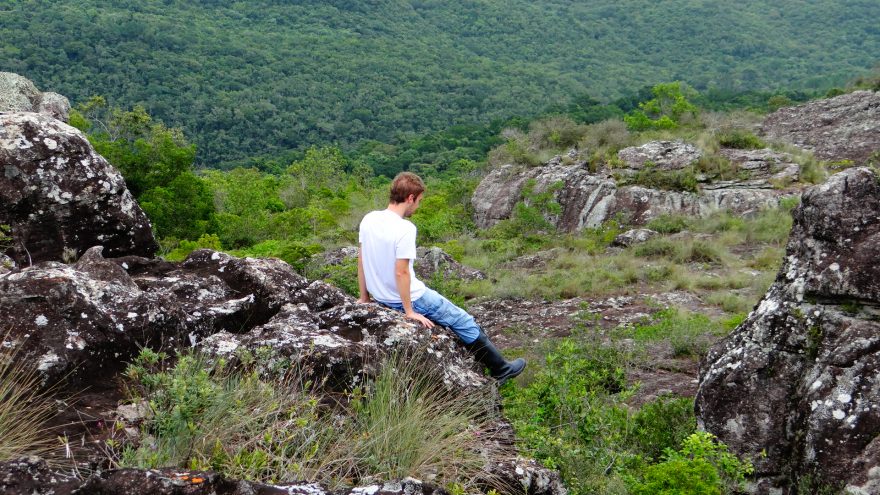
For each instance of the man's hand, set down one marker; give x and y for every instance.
(412, 315)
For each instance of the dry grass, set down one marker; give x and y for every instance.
(25, 407)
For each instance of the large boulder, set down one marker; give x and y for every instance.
(60, 197)
(18, 94)
(846, 127)
(796, 386)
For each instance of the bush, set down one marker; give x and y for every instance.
(671, 180)
(740, 139)
(295, 253)
(668, 224)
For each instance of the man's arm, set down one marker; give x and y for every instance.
(362, 279)
(401, 277)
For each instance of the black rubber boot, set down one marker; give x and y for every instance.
(486, 354)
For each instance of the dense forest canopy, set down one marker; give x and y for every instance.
(263, 77)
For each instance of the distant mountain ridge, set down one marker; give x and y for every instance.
(249, 78)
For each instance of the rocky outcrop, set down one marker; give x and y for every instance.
(430, 262)
(83, 322)
(588, 199)
(18, 94)
(762, 168)
(846, 127)
(61, 198)
(796, 386)
(662, 155)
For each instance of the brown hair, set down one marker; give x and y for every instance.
(404, 184)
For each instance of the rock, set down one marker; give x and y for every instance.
(634, 236)
(846, 127)
(589, 199)
(18, 94)
(434, 262)
(664, 155)
(32, 476)
(61, 198)
(763, 167)
(796, 385)
(133, 413)
(430, 262)
(497, 194)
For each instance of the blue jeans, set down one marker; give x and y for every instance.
(441, 311)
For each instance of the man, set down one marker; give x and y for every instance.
(385, 272)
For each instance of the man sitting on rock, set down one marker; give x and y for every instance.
(385, 272)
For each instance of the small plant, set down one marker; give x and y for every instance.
(702, 466)
(668, 223)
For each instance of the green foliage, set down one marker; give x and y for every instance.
(295, 253)
(650, 176)
(569, 417)
(184, 208)
(663, 424)
(178, 250)
(530, 216)
(5, 237)
(667, 110)
(223, 71)
(740, 139)
(668, 223)
(680, 477)
(702, 466)
(156, 162)
(442, 216)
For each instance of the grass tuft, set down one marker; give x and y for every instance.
(25, 407)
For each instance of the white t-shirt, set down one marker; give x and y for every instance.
(385, 238)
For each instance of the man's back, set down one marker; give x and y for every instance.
(385, 237)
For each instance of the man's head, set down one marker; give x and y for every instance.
(407, 188)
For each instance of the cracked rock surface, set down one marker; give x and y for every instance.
(796, 386)
(846, 127)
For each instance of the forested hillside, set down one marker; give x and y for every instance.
(262, 77)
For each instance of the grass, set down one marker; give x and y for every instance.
(25, 407)
(688, 334)
(208, 414)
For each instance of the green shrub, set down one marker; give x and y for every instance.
(668, 223)
(295, 253)
(663, 424)
(671, 180)
(740, 139)
(717, 167)
(179, 250)
(679, 477)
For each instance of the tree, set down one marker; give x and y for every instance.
(666, 110)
